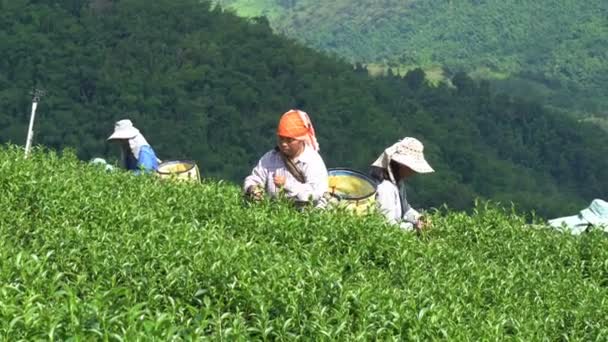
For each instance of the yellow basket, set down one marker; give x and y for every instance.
(179, 169)
(352, 189)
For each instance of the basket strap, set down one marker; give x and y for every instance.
(292, 168)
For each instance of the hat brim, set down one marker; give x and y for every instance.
(418, 165)
(124, 134)
(595, 220)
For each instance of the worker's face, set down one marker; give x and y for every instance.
(123, 144)
(405, 172)
(289, 146)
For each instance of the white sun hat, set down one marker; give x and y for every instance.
(409, 152)
(596, 215)
(124, 129)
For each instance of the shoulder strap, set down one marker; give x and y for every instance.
(291, 167)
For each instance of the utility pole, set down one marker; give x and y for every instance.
(37, 94)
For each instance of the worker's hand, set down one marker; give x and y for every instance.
(279, 181)
(256, 193)
(279, 178)
(423, 223)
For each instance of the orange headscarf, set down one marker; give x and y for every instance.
(296, 124)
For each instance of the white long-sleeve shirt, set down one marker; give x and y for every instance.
(309, 163)
(390, 205)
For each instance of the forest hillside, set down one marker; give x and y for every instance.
(547, 50)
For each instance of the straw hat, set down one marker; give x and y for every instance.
(408, 152)
(124, 129)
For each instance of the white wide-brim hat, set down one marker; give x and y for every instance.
(414, 162)
(409, 152)
(596, 214)
(124, 129)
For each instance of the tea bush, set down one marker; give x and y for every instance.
(94, 255)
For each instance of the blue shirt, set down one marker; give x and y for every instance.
(146, 161)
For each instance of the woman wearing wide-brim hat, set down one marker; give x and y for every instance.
(136, 153)
(395, 165)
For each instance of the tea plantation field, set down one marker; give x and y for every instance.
(91, 255)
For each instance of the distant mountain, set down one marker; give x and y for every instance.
(549, 50)
(210, 86)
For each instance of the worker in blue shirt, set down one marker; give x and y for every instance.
(137, 154)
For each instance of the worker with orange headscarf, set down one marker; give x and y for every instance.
(293, 167)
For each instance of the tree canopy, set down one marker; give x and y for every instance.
(549, 50)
